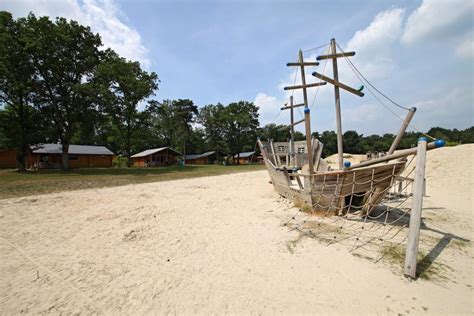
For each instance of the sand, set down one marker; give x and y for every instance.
(219, 245)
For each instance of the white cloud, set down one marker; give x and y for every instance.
(269, 107)
(438, 19)
(374, 44)
(447, 23)
(465, 47)
(103, 16)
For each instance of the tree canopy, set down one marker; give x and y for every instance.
(58, 84)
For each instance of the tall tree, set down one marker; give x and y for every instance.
(212, 118)
(174, 119)
(123, 85)
(241, 124)
(20, 120)
(185, 112)
(65, 56)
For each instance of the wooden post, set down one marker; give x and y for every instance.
(307, 119)
(270, 143)
(415, 215)
(292, 135)
(402, 130)
(338, 106)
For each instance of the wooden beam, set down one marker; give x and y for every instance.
(402, 130)
(415, 214)
(396, 155)
(291, 125)
(292, 106)
(306, 63)
(334, 55)
(338, 84)
(303, 86)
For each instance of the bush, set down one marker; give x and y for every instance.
(119, 162)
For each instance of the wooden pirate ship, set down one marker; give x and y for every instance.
(298, 172)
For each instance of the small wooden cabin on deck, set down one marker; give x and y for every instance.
(156, 157)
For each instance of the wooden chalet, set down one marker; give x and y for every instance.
(246, 157)
(49, 156)
(163, 156)
(210, 157)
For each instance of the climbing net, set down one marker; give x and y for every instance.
(366, 229)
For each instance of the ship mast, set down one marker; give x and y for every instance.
(307, 119)
(335, 82)
(337, 99)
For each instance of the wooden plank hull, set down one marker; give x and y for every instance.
(338, 191)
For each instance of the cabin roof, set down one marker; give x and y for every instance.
(197, 156)
(149, 152)
(245, 154)
(73, 149)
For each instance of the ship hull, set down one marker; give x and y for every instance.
(335, 192)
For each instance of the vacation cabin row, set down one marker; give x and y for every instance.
(49, 156)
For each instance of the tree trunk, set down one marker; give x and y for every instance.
(128, 143)
(21, 159)
(23, 146)
(65, 157)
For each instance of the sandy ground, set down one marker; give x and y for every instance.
(218, 245)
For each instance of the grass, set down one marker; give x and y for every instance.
(15, 184)
(426, 268)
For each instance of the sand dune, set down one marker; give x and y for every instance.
(219, 245)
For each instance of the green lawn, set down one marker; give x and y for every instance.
(15, 184)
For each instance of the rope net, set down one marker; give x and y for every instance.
(364, 226)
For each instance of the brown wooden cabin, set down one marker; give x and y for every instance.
(8, 158)
(49, 156)
(210, 157)
(163, 156)
(246, 157)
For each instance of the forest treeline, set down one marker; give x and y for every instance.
(356, 143)
(58, 85)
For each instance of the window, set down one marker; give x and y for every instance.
(301, 150)
(73, 157)
(281, 148)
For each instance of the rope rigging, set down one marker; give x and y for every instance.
(370, 84)
(364, 80)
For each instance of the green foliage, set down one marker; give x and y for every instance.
(231, 129)
(173, 120)
(64, 56)
(20, 121)
(119, 162)
(122, 85)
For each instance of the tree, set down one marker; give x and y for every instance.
(352, 142)
(20, 122)
(184, 115)
(329, 139)
(240, 129)
(174, 119)
(276, 132)
(122, 85)
(212, 118)
(65, 56)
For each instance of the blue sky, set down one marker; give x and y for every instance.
(418, 52)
